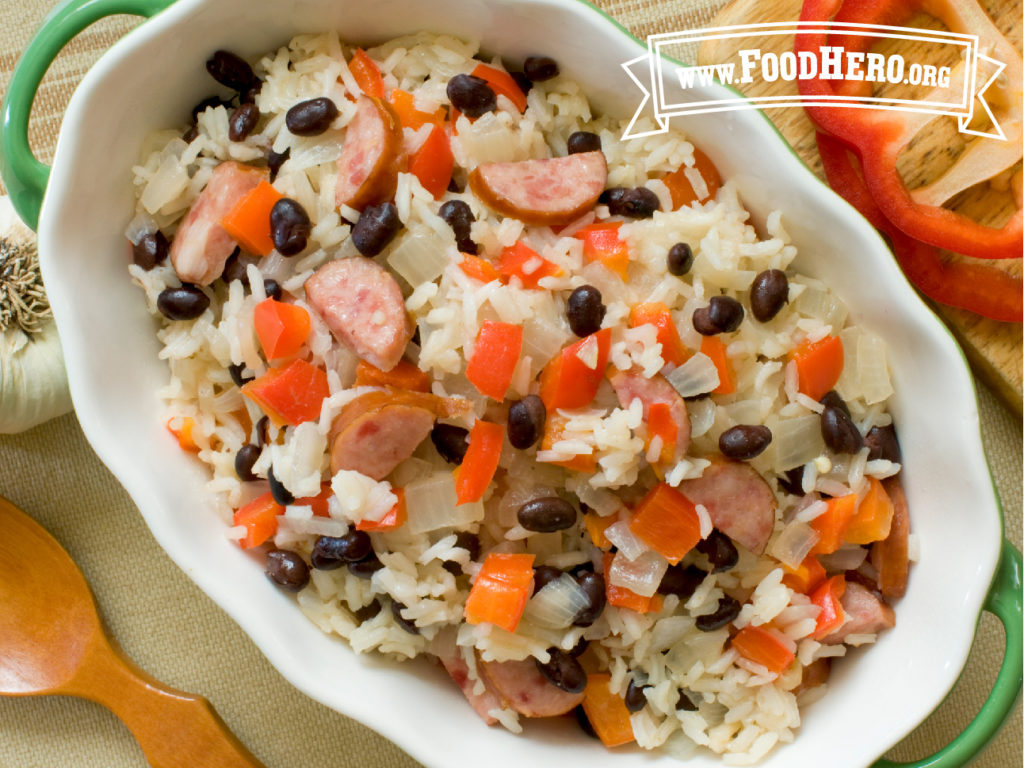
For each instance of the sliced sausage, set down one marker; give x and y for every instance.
(550, 191)
(890, 556)
(362, 305)
(865, 614)
(814, 674)
(523, 687)
(371, 156)
(482, 703)
(202, 246)
(629, 385)
(739, 501)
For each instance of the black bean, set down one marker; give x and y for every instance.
(612, 196)
(276, 159)
(311, 117)
(839, 431)
(524, 83)
(281, 494)
(244, 460)
(367, 612)
(634, 698)
(544, 575)
(235, 369)
(725, 313)
(685, 704)
(450, 441)
(230, 70)
(237, 267)
(593, 587)
(768, 293)
(882, 443)
(376, 227)
(207, 103)
(151, 249)
(540, 68)
(287, 569)
(468, 246)
(636, 203)
(719, 550)
(366, 567)
(744, 441)
(580, 648)
(459, 217)
(835, 400)
(471, 95)
(584, 722)
(469, 542)
(330, 552)
(585, 310)
(546, 514)
(242, 121)
(273, 289)
(728, 609)
(453, 185)
(407, 624)
(526, 419)
(681, 580)
(248, 96)
(184, 303)
(190, 135)
(679, 259)
(792, 481)
(583, 141)
(563, 671)
(702, 322)
(289, 227)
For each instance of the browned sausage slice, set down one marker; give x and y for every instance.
(370, 158)
(549, 192)
(378, 441)
(865, 614)
(524, 688)
(739, 501)
(890, 556)
(362, 305)
(629, 385)
(482, 703)
(202, 246)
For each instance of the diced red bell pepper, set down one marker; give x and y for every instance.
(318, 502)
(433, 163)
(657, 314)
(714, 347)
(495, 355)
(480, 462)
(249, 221)
(601, 243)
(478, 269)
(502, 84)
(282, 328)
(661, 423)
(622, 597)
(554, 430)
(818, 365)
(404, 375)
(290, 395)
(405, 107)
(831, 524)
(503, 585)
(520, 260)
(393, 519)
(667, 522)
(827, 597)
(808, 575)
(762, 646)
(873, 518)
(367, 74)
(681, 189)
(571, 379)
(259, 517)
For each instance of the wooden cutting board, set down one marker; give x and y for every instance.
(994, 349)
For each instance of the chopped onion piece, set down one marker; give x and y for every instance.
(872, 369)
(419, 257)
(642, 575)
(797, 441)
(542, 339)
(623, 538)
(431, 503)
(694, 377)
(702, 416)
(793, 544)
(848, 558)
(557, 604)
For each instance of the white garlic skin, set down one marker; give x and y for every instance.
(33, 384)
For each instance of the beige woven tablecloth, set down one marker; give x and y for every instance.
(177, 634)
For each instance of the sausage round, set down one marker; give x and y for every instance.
(629, 385)
(483, 702)
(362, 305)
(370, 158)
(865, 614)
(739, 501)
(378, 441)
(524, 688)
(549, 191)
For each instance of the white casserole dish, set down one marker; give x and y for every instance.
(875, 698)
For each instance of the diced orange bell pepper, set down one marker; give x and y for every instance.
(601, 243)
(410, 117)
(495, 355)
(661, 424)
(502, 84)
(480, 462)
(571, 379)
(827, 597)
(682, 190)
(404, 375)
(318, 502)
(367, 74)
(259, 517)
(290, 395)
(714, 347)
(667, 522)
(596, 525)
(818, 365)
(623, 597)
(282, 328)
(183, 434)
(520, 260)
(657, 314)
(554, 430)
(873, 518)
(808, 575)
(503, 585)
(831, 524)
(606, 712)
(764, 647)
(394, 518)
(249, 221)
(478, 269)
(433, 163)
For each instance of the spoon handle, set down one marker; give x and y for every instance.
(173, 728)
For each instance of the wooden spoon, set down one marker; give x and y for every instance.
(51, 642)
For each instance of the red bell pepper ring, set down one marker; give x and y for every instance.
(878, 136)
(978, 288)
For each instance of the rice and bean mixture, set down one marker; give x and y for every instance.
(614, 459)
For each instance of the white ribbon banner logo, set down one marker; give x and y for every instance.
(668, 87)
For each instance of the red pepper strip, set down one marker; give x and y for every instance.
(494, 359)
(477, 469)
(827, 597)
(259, 517)
(290, 395)
(878, 136)
(979, 288)
(500, 591)
(502, 84)
(433, 163)
(366, 74)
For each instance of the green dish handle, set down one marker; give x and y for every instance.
(24, 176)
(1003, 600)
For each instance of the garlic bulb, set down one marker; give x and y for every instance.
(33, 383)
